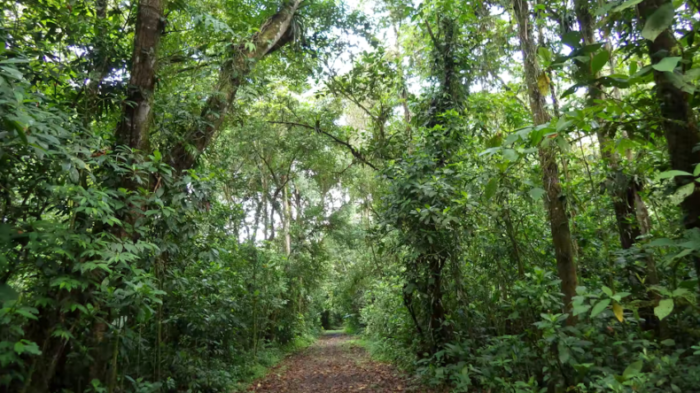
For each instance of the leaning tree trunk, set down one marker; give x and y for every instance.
(554, 203)
(274, 34)
(679, 124)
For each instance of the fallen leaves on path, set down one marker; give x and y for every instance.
(328, 366)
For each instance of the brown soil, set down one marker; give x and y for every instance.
(332, 366)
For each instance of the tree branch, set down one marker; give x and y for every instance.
(318, 129)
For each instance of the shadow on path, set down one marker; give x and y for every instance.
(329, 366)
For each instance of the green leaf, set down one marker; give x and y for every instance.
(536, 193)
(510, 155)
(625, 5)
(668, 342)
(696, 172)
(633, 68)
(19, 347)
(74, 175)
(679, 82)
(31, 347)
(682, 192)
(157, 155)
(580, 309)
(599, 307)
(671, 174)
(491, 188)
(662, 242)
(607, 291)
(664, 308)
(572, 39)
(545, 55)
(599, 61)
(667, 64)
(633, 369)
(659, 21)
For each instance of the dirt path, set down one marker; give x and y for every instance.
(332, 366)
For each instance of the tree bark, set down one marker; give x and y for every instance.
(679, 124)
(515, 250)
(287, 221)
(137, 108)
(274, 34)
(554, 201)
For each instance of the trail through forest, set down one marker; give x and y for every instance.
(334, 365)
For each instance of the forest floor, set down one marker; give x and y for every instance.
(334, 365)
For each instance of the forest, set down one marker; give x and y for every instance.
(491, 195)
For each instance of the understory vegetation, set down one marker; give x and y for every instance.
(501, 196)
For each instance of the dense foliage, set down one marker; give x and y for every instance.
(500, 195)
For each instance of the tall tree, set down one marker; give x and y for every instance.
(554, 201)
(679, 124)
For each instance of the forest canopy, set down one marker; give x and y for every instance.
(499, 196)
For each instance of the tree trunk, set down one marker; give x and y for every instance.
(679, 123)
(441, 332)
(132, 130)
(276, 32)
(515, 251)
(287, 222)
(622, 190)
(554, 201)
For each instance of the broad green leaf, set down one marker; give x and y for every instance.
(545, 55)
(491, 188)
(580, 309)
(659, 21)
(633, 369)
(572, 39)
(599, 61)
(536, 193)
(662, 242)
(607, 290)
(667, 64)
(664, 308)
(510, 155)
(31, 347)
(679, 82)
(633, 68)
(625, 5)
(599, 307)
(692, 74)
(671, 174)
(564, 353)
(682, 192)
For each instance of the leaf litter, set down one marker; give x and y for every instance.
(332, 366)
